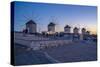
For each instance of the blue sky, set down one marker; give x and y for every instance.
(43, 14)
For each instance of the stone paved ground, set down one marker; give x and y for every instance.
(29, 57)
(74, 52)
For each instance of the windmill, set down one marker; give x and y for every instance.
(79, 27)
(35, 17)
(56, 22)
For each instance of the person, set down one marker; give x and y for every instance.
(25, 31)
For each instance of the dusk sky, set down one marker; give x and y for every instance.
(43, 14)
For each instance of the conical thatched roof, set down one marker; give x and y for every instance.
(51, 24)
(75, 28)
(83, 29)
(67, 26)
(31, 22)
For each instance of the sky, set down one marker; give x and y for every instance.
(61, 14)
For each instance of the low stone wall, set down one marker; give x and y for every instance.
(37, 43)
(46, 44)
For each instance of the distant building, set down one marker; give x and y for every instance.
(87, 32)
(75, 30)
(51, 27)
(31, 26)
(67, 29)
(87, 36)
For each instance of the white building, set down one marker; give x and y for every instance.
(83, 31)
(67, 29)
(75, 30)
(87, 32)
(31, 26)
(51, 27)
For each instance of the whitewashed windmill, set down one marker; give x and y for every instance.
(56, 21)
(34, 17)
